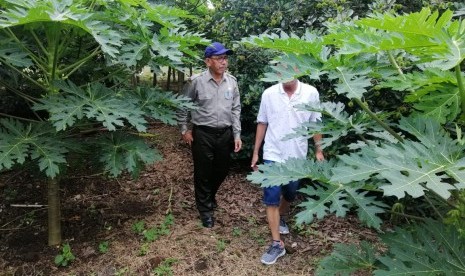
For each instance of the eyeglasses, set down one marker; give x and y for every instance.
(219, 58)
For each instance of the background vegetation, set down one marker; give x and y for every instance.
(390, 75)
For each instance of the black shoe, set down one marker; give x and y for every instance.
(208, 222)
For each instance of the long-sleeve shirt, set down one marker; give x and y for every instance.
(218, 105)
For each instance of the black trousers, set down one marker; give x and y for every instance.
(211, 151)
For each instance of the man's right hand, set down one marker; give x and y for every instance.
(253, 164)
(187, 137)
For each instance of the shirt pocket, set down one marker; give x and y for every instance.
(204, 95)
(228, 93)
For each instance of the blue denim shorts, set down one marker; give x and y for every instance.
(272, 195)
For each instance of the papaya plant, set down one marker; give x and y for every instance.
(420, 155)
(72, 62)
(427, 248)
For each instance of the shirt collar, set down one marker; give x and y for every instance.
(210, 76)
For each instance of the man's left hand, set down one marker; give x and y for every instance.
(319, 156)
(237, 145)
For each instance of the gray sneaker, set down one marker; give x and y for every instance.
(283, 228)
(273, 253)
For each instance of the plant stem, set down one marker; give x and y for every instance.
(106, 77)
(55, 61)
(458, 74)
(73, 67)
(434, 207)
(18, 118)
(30, 53)
(394, 63)
(378, 120)
(22, 74)
(17, 92)
(408, 216)
(39, 42)
(54, 212)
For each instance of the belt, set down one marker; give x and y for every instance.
(213, 130)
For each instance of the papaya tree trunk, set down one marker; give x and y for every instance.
(54, 212)
(154, 80)
(458, 73)
(180, 81)
(169, 79)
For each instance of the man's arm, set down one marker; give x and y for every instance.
(183, 115)
(318, 151)
(236, 120)
(259, 136)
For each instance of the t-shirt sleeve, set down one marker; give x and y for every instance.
(315, 100)
(262, 111)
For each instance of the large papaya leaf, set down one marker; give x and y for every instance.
(446, 37)
(323, 199)
(274, 174)
(121, 151)
(96, 102)
(337, 123)
(411, 167)
(432, 135)
(414, 82)
(433, 93)
(322, 202)
(411, 173)
(35, 141)
(346, 259)
(437, 40)
(308, 44)
(291, 66)
(431, 248)
(12, 54)
(338, 199)
(132, 53)
(424, 22)
(356, 38)
(443, 105)
(352, 82)
(368, 207)
(356, 167)
(161, 105)
(112, 24)
(62, 12)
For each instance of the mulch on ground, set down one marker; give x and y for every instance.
(96, 209)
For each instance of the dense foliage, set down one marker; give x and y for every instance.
(71, 63)
(389, 72)
(392, 160)
(231, 20)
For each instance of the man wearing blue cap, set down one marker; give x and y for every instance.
(213, 130)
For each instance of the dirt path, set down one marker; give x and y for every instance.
(106, 213)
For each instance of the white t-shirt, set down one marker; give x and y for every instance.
(278, 111)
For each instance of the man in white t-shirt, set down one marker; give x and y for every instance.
(277, 117)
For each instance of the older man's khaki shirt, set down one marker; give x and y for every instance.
(218, 105)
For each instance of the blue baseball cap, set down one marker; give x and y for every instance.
(216, 49)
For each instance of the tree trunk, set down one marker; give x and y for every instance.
(54, 212)
(154, 80)
(180, 81)
(169, 79)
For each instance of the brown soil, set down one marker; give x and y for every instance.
(96, 209)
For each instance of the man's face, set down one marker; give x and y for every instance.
(217, 64)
